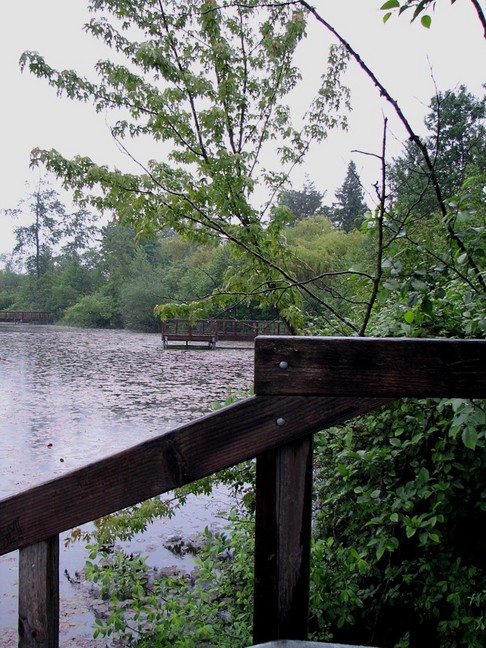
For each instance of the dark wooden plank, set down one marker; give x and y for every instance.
(305, 644)
(186, 337)
(282, 542)
(181, 456)
(39, 595)
(393, 367)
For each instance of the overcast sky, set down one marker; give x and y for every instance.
(403, 56)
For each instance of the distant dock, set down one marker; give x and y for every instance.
(26, 317)
(210, 331)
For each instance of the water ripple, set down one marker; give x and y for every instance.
(70, 396)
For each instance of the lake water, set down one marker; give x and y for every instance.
(71, 396)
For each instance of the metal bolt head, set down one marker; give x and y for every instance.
(283, 364)
(280, 422)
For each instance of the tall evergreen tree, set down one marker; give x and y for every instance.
(349, 208)
(457, 135)
(306, 202)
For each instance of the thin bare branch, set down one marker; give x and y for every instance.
(379, 251)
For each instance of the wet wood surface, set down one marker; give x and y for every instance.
(393, 367)
(39, 595)
(282, 542)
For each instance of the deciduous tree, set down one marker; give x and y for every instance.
(35, 242)
(211, 82)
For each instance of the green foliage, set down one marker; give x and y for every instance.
(97, 311)
(9, 282)
(428, 286)
(51, 226)
(35, 241)
(53, 251)
(418, 6)
(456, 134)
(336, 261)
(303, 203)
(399, 492)
(212, 83)
(213, 607)
(137, 301)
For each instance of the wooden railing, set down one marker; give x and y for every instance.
(302, 385)
(212, 330)
(24, 317)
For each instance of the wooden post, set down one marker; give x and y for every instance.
(282, 542)
(39, 595)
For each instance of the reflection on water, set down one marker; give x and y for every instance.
(70, 396)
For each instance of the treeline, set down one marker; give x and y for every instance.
(108, 277)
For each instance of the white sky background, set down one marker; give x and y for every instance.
(401, 55)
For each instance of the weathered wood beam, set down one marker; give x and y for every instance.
(195, 450)
(389, 367)
(39, 594)
(282, 542)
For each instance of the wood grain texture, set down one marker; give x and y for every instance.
(39, 595)
(210, 444)
(390, 367)
(282, 542)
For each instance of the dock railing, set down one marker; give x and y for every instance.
(212, 330)
(26, 317)
(302, 385)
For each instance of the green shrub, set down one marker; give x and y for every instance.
(97, 311)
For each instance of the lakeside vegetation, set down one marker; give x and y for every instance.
(109, 277)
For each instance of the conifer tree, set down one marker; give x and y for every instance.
(349, 208)
(306, 202)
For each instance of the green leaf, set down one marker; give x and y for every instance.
(427, 306)
(409, 317)
(391, 4)
(423, 475)
(470, 437)
(391, 284)
(410, 531)
(426, 21)
(418, 284)
(343, 471)
(386, 17)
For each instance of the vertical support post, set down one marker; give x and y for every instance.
(39, 595)
(282, 542)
